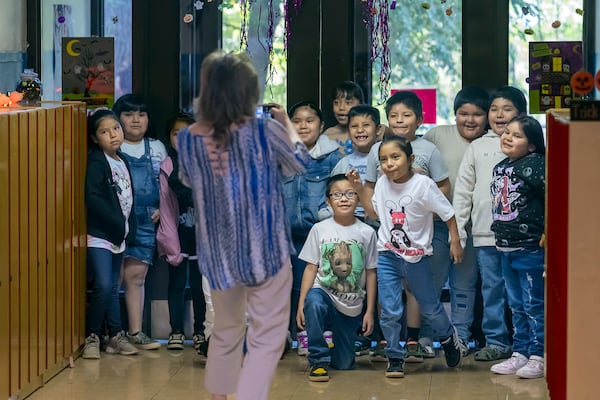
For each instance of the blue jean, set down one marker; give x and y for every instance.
(494, 297)
(103, 269)
(320, 314)
(523, 273)
(298, 267)
(178, 278)
(390, 272)
(462, 281)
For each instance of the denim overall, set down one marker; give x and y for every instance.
(146, 197)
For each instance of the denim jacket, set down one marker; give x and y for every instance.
(305, 194)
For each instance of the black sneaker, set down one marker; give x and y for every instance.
(361, 348)
(318, 373)
(452, 350)
(395, 368)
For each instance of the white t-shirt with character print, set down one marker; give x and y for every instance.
(405, 211)
(342, 255)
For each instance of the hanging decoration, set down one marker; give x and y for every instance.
(377, 19)
(296, 4)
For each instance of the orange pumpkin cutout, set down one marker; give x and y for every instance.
(582, 82)
(597, 79)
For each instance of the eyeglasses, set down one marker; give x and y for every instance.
(338, 195)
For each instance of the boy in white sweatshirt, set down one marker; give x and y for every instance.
(473, 209)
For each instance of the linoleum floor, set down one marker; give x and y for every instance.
(178, 375)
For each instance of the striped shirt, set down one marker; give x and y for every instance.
(242, 234)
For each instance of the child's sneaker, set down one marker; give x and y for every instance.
(414, 353)
(328, 336)
(464, 348)
(362, 345)
(533, 369)
(452, 350)
(318, 373)
(510, 366)
(119, 344)
(378, 352)
(142, 341)
(302, 343)
(427, 351)
(91, 350)
(200, 344)
(175, 341)
(395, 368)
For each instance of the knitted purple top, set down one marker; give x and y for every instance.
(241, 230)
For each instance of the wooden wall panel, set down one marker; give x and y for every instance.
(42, 241)
(4, 272)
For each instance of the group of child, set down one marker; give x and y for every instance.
(459, 202)
(135, 204)
(378, 213)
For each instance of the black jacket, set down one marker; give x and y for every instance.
(105, 218)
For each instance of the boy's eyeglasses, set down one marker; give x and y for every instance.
(338, 195)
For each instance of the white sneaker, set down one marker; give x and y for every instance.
(533, 369)
(91, 350)
(119, 344)
(302, 343)
(510, 366)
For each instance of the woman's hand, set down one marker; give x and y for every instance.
(280, 115)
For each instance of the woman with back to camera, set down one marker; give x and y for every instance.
(233, 162)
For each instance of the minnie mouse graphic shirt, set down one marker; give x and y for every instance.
(406, 211)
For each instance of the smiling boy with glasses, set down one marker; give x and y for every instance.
(341, 258)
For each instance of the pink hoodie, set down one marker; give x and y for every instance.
(167, 237)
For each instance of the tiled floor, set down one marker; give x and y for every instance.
(169, 375)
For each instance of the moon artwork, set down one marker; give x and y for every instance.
(88, 70)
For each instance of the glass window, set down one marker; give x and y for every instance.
(426, 53)
(260, 20)
(544, 21)
(117, 24)
(70, 18)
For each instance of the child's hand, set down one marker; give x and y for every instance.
(543, 240)
(354, 179)
(300, 318)
(456, 252)
(155, 217)
(368, 324)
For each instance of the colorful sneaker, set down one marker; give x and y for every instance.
(328, 336)
(361, 348)
(175, 341)
(142, 341)
(395, 368)
(533, 369)
(491, 353)
(302, 343)
(452, 351)
(378, 352)
(413, 353)
(91, 350)
(119, 344)
(318, 373)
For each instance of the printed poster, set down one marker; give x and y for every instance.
(551, 65)
(88, 70)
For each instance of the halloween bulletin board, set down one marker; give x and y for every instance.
(551, 66)
(88, 70)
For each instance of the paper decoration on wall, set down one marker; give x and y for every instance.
(187, 18)
(582, 82)
(551, 66)
(556, 24)
(88, 70)
(597, 80)
(198, 5)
